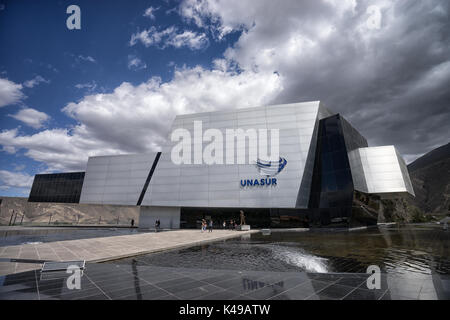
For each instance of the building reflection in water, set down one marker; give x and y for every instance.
(137, 285)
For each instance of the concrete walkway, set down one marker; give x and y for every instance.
(106, 248)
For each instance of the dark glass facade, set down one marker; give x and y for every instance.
(57, 187)
(256, 217)
(332, 193)
(192, 217)
(353, 139)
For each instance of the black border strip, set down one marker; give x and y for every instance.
(149, 177)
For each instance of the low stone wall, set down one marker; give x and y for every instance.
(65, 213)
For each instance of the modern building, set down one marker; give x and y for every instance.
(324, 175)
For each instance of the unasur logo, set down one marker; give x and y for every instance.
(268, 169)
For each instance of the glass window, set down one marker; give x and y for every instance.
(60, 187)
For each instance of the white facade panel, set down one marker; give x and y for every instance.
(379, 170)
(219, 185)
(116, 179)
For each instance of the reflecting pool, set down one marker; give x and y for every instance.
(395, 249)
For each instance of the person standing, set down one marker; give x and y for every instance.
(203, 225)
(156, 225)
(210, 225)
(224, 225)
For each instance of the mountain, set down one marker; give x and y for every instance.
(430, 176)
(439, 154)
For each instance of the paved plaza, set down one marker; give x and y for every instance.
(26, 257)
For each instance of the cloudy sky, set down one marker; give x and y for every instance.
(116, 85)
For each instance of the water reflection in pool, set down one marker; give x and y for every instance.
(417, 249)
(299, 258)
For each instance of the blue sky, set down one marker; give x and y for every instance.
(98, 54)
(48, 49)
(115, 85)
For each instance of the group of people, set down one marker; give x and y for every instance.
(208, 225)
(232, 225)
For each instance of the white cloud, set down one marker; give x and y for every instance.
(198, 11)
(205, 14)
(50, 67)
(90, 86)
(9, 149)
(10, 92)
(150, 12)
(189, 39)
(19, 167)
(10, 179)
(170, 37)
(87, 58)
(35, 81)
(135, 119)
(134, 63)
(151, 36)
(31, 117)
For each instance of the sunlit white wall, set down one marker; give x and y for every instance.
(379, 170)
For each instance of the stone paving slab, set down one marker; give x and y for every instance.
(106, 248)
